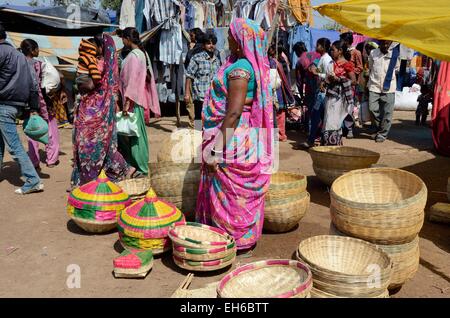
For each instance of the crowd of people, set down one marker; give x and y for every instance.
(249, 91)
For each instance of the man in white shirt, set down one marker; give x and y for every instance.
(383, 63)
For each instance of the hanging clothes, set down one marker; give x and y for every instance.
(210, 15)
(127, 14)
(441, 111)
(199, 14)
(300, 33)
(139, 16)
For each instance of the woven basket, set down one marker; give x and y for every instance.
(379, 205)
(283, 215)
(440, 212)
(286, 185)
(315, 293)
(199, 254)
(136, 188)
(196, 235)
(405, 259)
(267, 279)
(346, 267)
(204, 266)
(157, 246)
(330, 162)
(92, 226)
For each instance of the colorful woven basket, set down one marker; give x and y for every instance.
(96, 205)
(196, 235)
(200, 254)
(267, 279)
(206, 266)
(146, 223)
(133, 264)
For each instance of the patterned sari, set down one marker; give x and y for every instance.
(94, 134)
(233, 198)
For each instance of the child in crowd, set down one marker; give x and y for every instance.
(422, 109)
(88, 73)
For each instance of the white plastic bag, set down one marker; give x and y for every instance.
(275, 79)
(50, 76)
(127, 125)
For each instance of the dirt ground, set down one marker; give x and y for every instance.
(38, 242)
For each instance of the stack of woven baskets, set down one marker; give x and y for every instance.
(286, 202)
(199, 247)
(267, 279)
(96, 205)
(145, 224)
(345, 267)
(331, 162)
(384, 206)
(135, 188)
(176, 175)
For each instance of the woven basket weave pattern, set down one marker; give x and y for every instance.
(282, 217)
(380, 205)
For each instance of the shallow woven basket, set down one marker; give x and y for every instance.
(379, 205)
(196, 235)
(136, 188)
(405, 259)
(177, 183)
(205, 266)
(315, 293)
(346, 267)
(331, 162)
(267, 279)
(93, 226)
(286, 185)
(283, 215)
(201, 254)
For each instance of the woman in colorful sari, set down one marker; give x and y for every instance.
(94, 134)
(238, 138)
(339, 100)
(139, 95)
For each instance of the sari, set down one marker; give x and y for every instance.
(233, 198)
(94, 133)
(140, 88)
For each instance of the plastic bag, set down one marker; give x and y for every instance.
(36, 128)
(127, 125)
(275, 79)
(50, 77)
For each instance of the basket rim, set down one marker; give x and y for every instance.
(173, 234)
(341, 238)
(368, 153)
(402, 203)
(269, 263)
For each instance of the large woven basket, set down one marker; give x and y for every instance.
(267, 279)
(283, 215)
(379, 205)
(405, 259)
(136, 188)
(330, 162)
(196, 235)
(346, 267)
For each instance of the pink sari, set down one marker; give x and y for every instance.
(233, 198)
(135, 85)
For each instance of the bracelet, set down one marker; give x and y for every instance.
(216, 152)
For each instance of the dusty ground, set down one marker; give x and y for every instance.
(38, 242)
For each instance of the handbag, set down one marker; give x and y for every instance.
(127, 125)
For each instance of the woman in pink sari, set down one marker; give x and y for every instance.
(238, 138)
(139, 95)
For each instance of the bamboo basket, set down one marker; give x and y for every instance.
(405, 259)
(346, 267)
(315, 293)
(286, 185)
(440, 212)
(267, 279)
(199, 254)
(283, 215)
(136, 188)
(205, 266)
(379, 205)
(330, 162)
(93, 226)
(196, 235)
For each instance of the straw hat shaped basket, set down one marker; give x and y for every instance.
(286, 202)
(95, 206)
(346, 267)
(330, 162)
(135, 188)
(176, 175)
(145, 224)
(380, 205)
(267, 279)
(405, 259)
